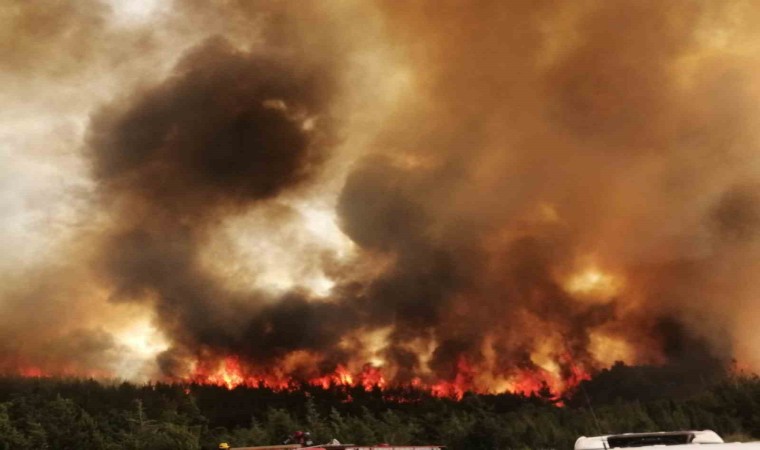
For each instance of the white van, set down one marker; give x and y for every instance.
(677, 439)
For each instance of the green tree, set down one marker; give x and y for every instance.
(68, 426)
(10, 437)
(166, 436)
(279, 425)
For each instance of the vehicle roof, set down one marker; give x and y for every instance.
(644, 440)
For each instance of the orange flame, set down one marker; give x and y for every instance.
(69, 372)
(230, 374)
(463, 382)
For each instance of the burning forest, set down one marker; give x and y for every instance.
(489, 196)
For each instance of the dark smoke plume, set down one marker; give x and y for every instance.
(226, 131)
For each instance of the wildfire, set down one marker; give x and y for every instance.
(372, 377)
(463, 381)
(230, 374)
(341, 377)
(66, 372)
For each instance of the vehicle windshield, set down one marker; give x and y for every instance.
(642, 440)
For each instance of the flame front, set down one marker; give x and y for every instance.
(230, 374)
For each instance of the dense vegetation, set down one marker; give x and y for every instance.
(84, 414)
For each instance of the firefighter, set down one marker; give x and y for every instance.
(224, 446)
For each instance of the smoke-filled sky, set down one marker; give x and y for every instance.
(464, 191)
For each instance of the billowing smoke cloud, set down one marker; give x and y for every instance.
(567, 146)
(547, 188)
(226, 131)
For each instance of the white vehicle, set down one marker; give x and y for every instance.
(676, 439)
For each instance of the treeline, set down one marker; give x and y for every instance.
(60, 414)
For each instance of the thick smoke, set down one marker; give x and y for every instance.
(552, 141)
(49, 36)
(227, 131)
(558, 186)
